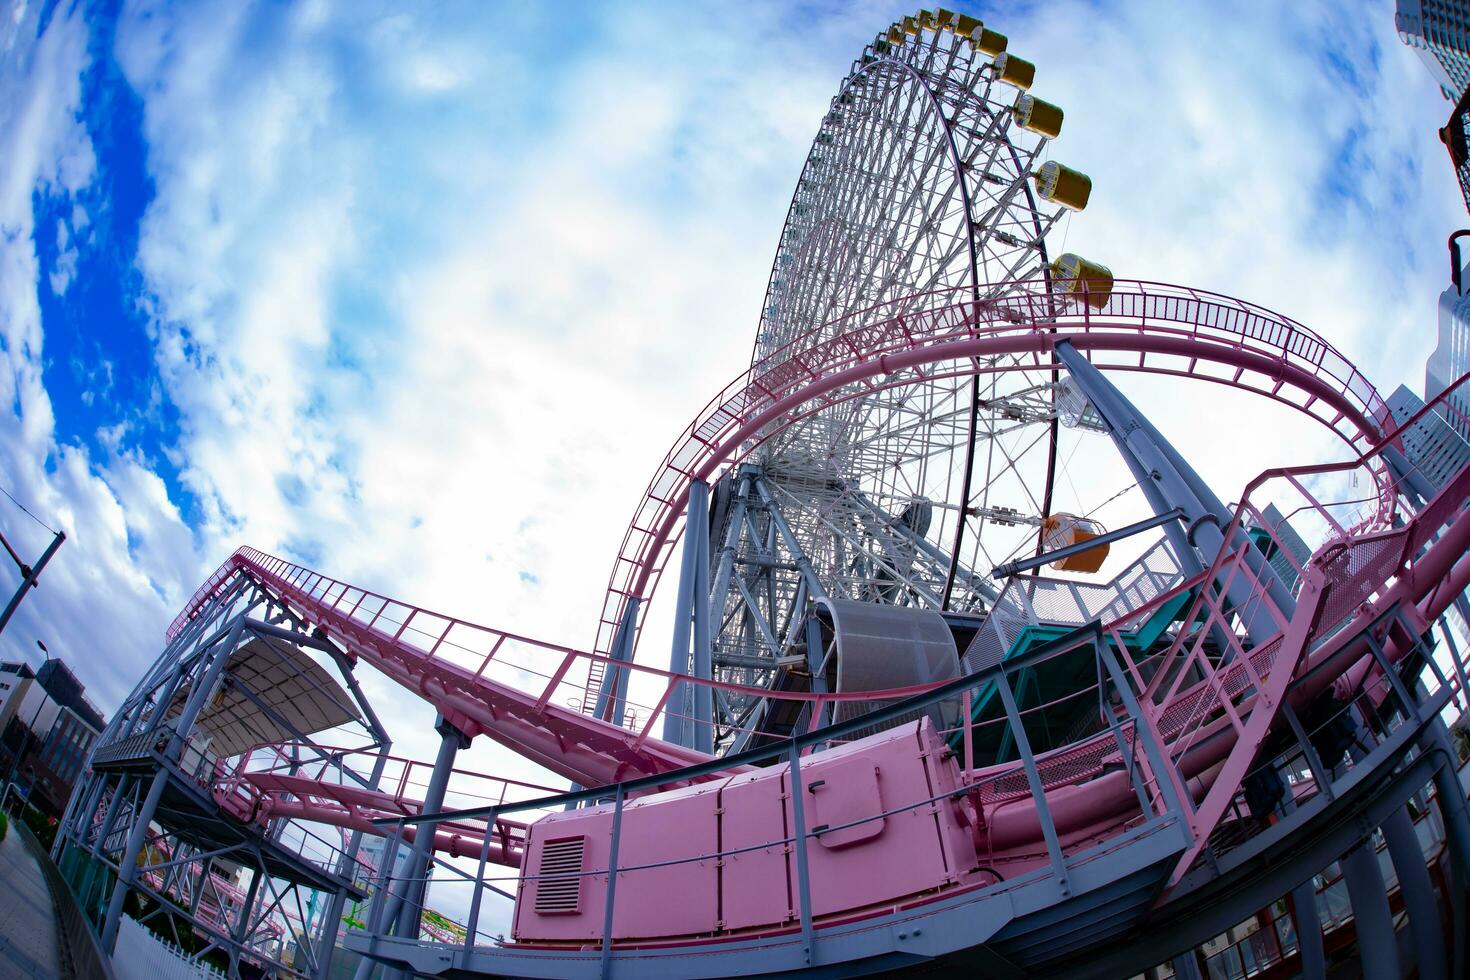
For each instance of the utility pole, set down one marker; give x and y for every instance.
(28, 574)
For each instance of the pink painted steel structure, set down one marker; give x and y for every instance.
(1188, 331)
(986, 822)
(882, 828)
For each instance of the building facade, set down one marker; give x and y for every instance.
(1451, 356)
(47, 727)
(1434, 449)
(1439, 32)
(16, 682)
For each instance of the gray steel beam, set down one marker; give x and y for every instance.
(611, 695)
(1046, 558)
(1169, 482)
(1418, 895)
(702, 706)
(128, 861)
(204, 686)
(407, 912)
(1377, 949)
(814, 584)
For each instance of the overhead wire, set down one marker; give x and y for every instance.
(27, 511)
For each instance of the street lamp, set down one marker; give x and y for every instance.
(30, 729)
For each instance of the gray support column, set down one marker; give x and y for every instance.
(1368, 893)
(1304, 896)
(677, 728)
(339, 897)
(1186, 966)
(242, 925)
(124, 782)
(410, 900)
(1098, 391)
(379, 732)
(688, 718)
(612, 695)
(167, 696)
(778, 523)
(734, 526)
(1454, 648)
(200, 885)
(1309, 930)
(1168, 482)
(128, 863)
(1377, 949)
(378, 920)
(83, 800)
(1450, 796)
(1418, 894)
(702, 706)
(203, 686)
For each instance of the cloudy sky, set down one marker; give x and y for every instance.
(418, 295)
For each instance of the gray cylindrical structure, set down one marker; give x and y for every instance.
(1418, 895)
(701, 696)
(406, 911)
(1377, 949)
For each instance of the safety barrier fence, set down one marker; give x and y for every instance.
(1124, 746)
(1225, 695)
(521, 662)
(1177, 708)
(1124, 749)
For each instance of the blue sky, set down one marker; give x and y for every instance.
(419, 294)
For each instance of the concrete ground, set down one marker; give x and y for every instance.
(27, 920)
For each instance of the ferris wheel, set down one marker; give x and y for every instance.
(925, 184)
(926, 189)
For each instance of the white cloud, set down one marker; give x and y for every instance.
(97, 577)
(434, 291)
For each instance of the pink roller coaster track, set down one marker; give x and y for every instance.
(477, 676)
(1146, 327)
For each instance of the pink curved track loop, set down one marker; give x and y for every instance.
(1214, 725)
(286, 781)
(1210, 728)
(1189, 333)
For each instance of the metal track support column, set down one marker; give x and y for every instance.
(778, 521)
(689, 720)
(128, 861)
(1169, 482)
(1418, 894)
(1186, 966)
(1377, 949)
(203, 687)
(124, 783)
(410, 902)
(1455, 813)
(328, 945)
(241, 932)
(1309, 931)
(612, 694)
(734, 526)
(1304, 896)
(702, 697)
(677, 728)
